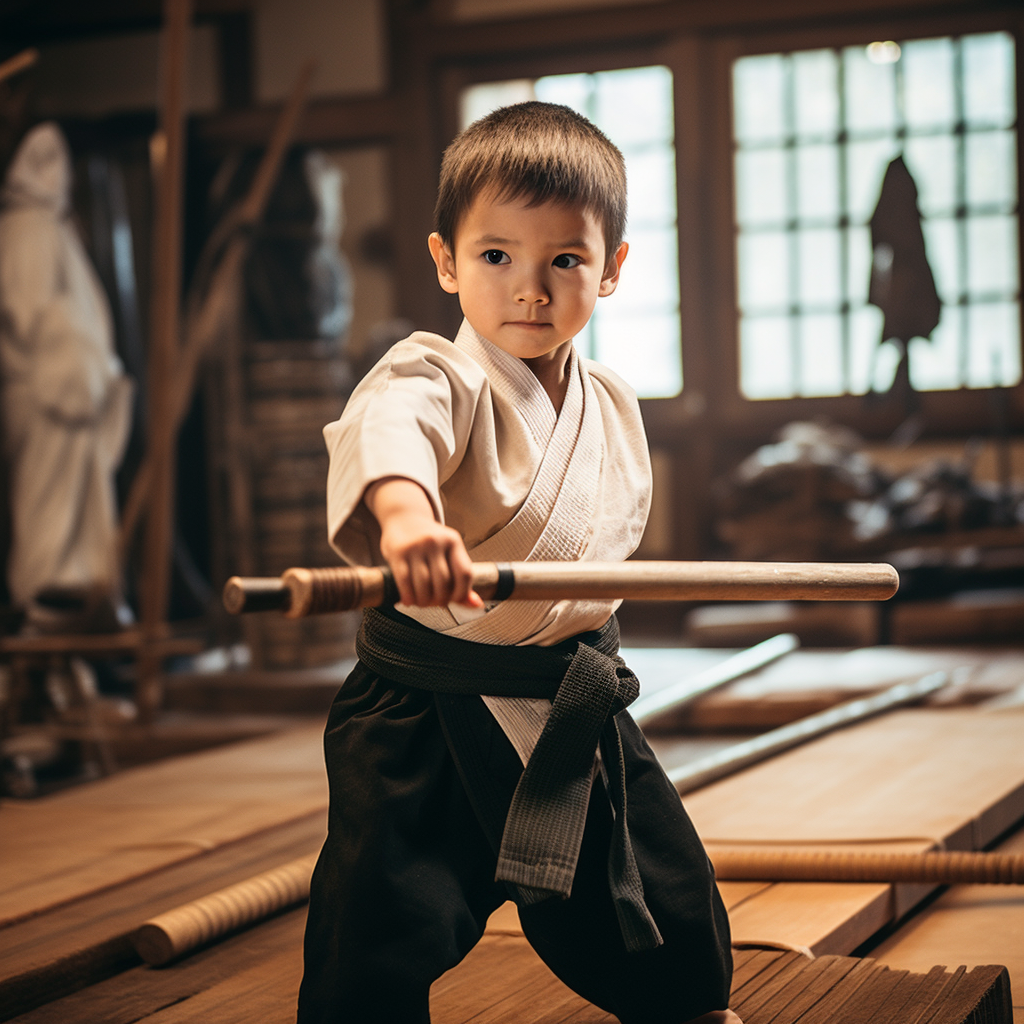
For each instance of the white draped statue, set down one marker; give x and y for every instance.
(66, 398)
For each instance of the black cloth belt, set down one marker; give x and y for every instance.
(588, 685)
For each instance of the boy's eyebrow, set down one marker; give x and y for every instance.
(572, 243)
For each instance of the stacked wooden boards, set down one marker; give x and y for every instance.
(95, 837)
(82, 869)
(968, 923)
(910, 781)
(254, 976)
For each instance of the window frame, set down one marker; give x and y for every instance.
(951, 412)
(703, 433)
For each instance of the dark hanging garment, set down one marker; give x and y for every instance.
(902, 285)
(298, 285)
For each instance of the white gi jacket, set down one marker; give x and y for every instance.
(475, 429)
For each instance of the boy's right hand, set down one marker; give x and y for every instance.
(428, 560)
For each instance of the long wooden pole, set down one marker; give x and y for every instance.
(765, 864)
(301, 592)
(169, 159)
(647, 710)
(19, 62)
(705, 770)
(178, 931)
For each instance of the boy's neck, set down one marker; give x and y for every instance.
(551, 370)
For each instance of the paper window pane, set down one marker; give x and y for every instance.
(991, 255)
(858, 264)
(759, 99)
(635, 105)
(935, 362)
(932, 161)
(991, 168)
(817, 176)
(643, 350)
(820, 279)
(815, 93)
(584, 341)
(482, 99)
(651, 174)
(761, 189)
(766, 357)
(994, 333)
(870, 93)
(989, 80)
(575, 91)
(650, 274)
(821, 355)
(865, 167)
(764, 270)
(942, 246)
(886, 363)
(865, 333)
(928, 87)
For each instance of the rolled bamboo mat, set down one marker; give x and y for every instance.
(794, 865)
(167, 936)
(170, 935)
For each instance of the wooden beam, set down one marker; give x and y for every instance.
(657, 22)
(169, 158)
(362, 120)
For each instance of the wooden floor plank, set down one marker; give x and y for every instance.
(273, 951)
(76, 944)
(967, 924)
(911, 775)
(907, 781)
(499, 966)
(94, 837)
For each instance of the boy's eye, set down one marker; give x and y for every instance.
(496, 256)
(566, 261)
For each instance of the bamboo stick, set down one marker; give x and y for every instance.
(19, 62)
(301, 592)
(672, 698)
(172, 934)
(795, 865)
(169, 935)
(726, 762)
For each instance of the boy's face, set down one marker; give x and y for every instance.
(527, 277)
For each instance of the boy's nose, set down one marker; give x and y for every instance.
(531, 290)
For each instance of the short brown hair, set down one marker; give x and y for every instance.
(541, 152)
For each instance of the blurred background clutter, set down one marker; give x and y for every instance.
(213, 221)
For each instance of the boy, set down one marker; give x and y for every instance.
(477, 754)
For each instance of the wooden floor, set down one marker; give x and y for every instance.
(81, 869)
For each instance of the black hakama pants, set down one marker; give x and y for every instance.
(405, 881)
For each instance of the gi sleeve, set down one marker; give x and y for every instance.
(399, 421)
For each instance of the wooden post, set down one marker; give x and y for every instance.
(19, 62)
(168, 158)
(214, 306)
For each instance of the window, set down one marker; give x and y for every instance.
(813, 133)
(635, 331)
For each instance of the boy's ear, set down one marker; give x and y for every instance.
(611, 271)
(445, 263)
